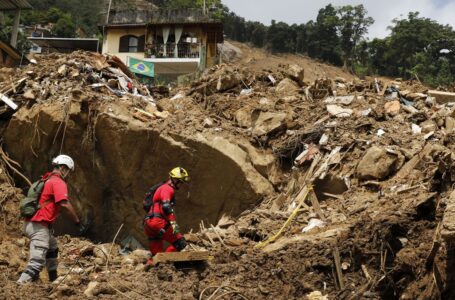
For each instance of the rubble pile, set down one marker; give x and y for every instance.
(342, 189)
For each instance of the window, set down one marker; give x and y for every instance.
(129, 43)
(141, 43)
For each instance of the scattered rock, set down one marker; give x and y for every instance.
(29, 95)
(269, 122)
(208, 123)
(287, 87)
(62, 70)
(392, 107)
(377, 163)
(296, 73)
(449, 124)
(227, 81)
(428, 126)
(90, 289)
(243, 117)
(316, 295)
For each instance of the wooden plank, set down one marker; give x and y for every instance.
(316, 206)
(336, 257)
(180, 256)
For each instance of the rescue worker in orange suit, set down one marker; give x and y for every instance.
(160, 224)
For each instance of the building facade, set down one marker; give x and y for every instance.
(177, 42)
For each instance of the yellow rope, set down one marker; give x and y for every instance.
(288, 221)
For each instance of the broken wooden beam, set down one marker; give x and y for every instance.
(336, 258)
(180, 256)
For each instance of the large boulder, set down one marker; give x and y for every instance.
(378, 163)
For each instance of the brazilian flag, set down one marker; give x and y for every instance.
(141, 67)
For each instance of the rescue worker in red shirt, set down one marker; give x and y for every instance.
(43, 245)
(160, 224)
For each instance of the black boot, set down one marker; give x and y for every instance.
(52, 275)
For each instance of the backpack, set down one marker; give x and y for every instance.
(29, 205)
(148, 199)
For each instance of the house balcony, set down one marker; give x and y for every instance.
(168, 58)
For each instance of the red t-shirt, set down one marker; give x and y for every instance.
(163, 193)
(54, 189)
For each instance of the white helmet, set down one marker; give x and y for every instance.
(63, 159)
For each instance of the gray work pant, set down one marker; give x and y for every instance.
(43, 249)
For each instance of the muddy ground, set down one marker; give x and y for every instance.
(255, 133)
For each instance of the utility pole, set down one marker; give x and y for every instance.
(108, 11)
(15, 30)
(204, 7)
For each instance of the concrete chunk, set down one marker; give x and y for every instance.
(442, 97)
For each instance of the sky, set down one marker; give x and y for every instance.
(382, 11)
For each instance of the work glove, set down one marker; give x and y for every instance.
(175, 227)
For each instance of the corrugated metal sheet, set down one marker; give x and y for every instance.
(14, 4)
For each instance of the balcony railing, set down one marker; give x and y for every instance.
(161, 16)
(169, 50)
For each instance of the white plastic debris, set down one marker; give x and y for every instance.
(246, 91)
(324, 140)
(416, 129)
(272, 79)
(366, 112)
(313, 223)
(380, 132)
(8, 101)
(178, 96)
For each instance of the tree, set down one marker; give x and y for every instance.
(64, 28)
(353, 25)
(323, 40)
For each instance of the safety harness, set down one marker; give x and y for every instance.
(152, 215)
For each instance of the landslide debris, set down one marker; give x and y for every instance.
(378, 155)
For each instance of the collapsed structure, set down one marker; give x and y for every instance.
(377, 154)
